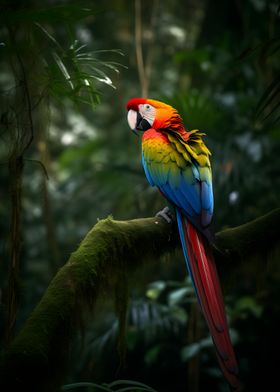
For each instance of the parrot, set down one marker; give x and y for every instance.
(177, 162)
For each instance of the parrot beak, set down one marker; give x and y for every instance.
(132, 119)
(142, 124)
(136, 122)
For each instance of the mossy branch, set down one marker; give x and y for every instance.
(34, 360)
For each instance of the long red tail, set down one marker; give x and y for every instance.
(202, 269)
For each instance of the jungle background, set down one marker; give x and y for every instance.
(68, 159)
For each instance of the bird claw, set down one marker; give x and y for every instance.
(166, 214)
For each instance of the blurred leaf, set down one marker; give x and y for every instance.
(77, 158)
(263, 50)
(193, 349)
(246, 306)
(180, 314)
(198, 55)
(269, 103)
(52, 14)
(270, 100)
(192, 105)
(155, 289)
(125, 385)
(190, 351)
(88, 385)
(178, 296)
(151, 356)
(133, 385)
(50, 36)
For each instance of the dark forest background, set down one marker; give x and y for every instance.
(68, 158)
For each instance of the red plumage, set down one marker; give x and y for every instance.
(133, 103)
(208, 288)
(178, 163)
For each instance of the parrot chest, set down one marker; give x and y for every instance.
(157, 148)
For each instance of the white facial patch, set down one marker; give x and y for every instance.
(148, 112)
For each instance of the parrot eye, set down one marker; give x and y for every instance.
(147, 107)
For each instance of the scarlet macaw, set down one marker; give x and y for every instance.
(177, 162)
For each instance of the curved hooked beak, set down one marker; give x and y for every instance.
(136, 122)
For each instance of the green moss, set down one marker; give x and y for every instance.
(104, 258)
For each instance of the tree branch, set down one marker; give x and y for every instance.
(111, 248)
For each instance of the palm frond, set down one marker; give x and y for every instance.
(79, 70)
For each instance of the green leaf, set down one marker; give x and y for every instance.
(190, 351)
(117, 51)
(177, 296)
(81, 71)
(247, 305)
(134, 389)
(131, 384)
(105, 80)
(155, 289)
(63, 69)
(151, 356)
(79, 48)
(267, 94)
(193, 349)
(179, 314)
(93, 386)
(48, 35)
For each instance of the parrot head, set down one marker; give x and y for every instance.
(144, 114)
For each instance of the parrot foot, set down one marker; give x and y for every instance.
(166, 214)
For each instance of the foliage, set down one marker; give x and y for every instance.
(219, 65)
(117, 386)
(156, 338)
(269, 103)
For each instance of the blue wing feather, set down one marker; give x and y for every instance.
(147, 172)
(183, 187)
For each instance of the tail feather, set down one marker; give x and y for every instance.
(202, 269)
(206, 276)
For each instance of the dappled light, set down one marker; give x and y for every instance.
(70, 168)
